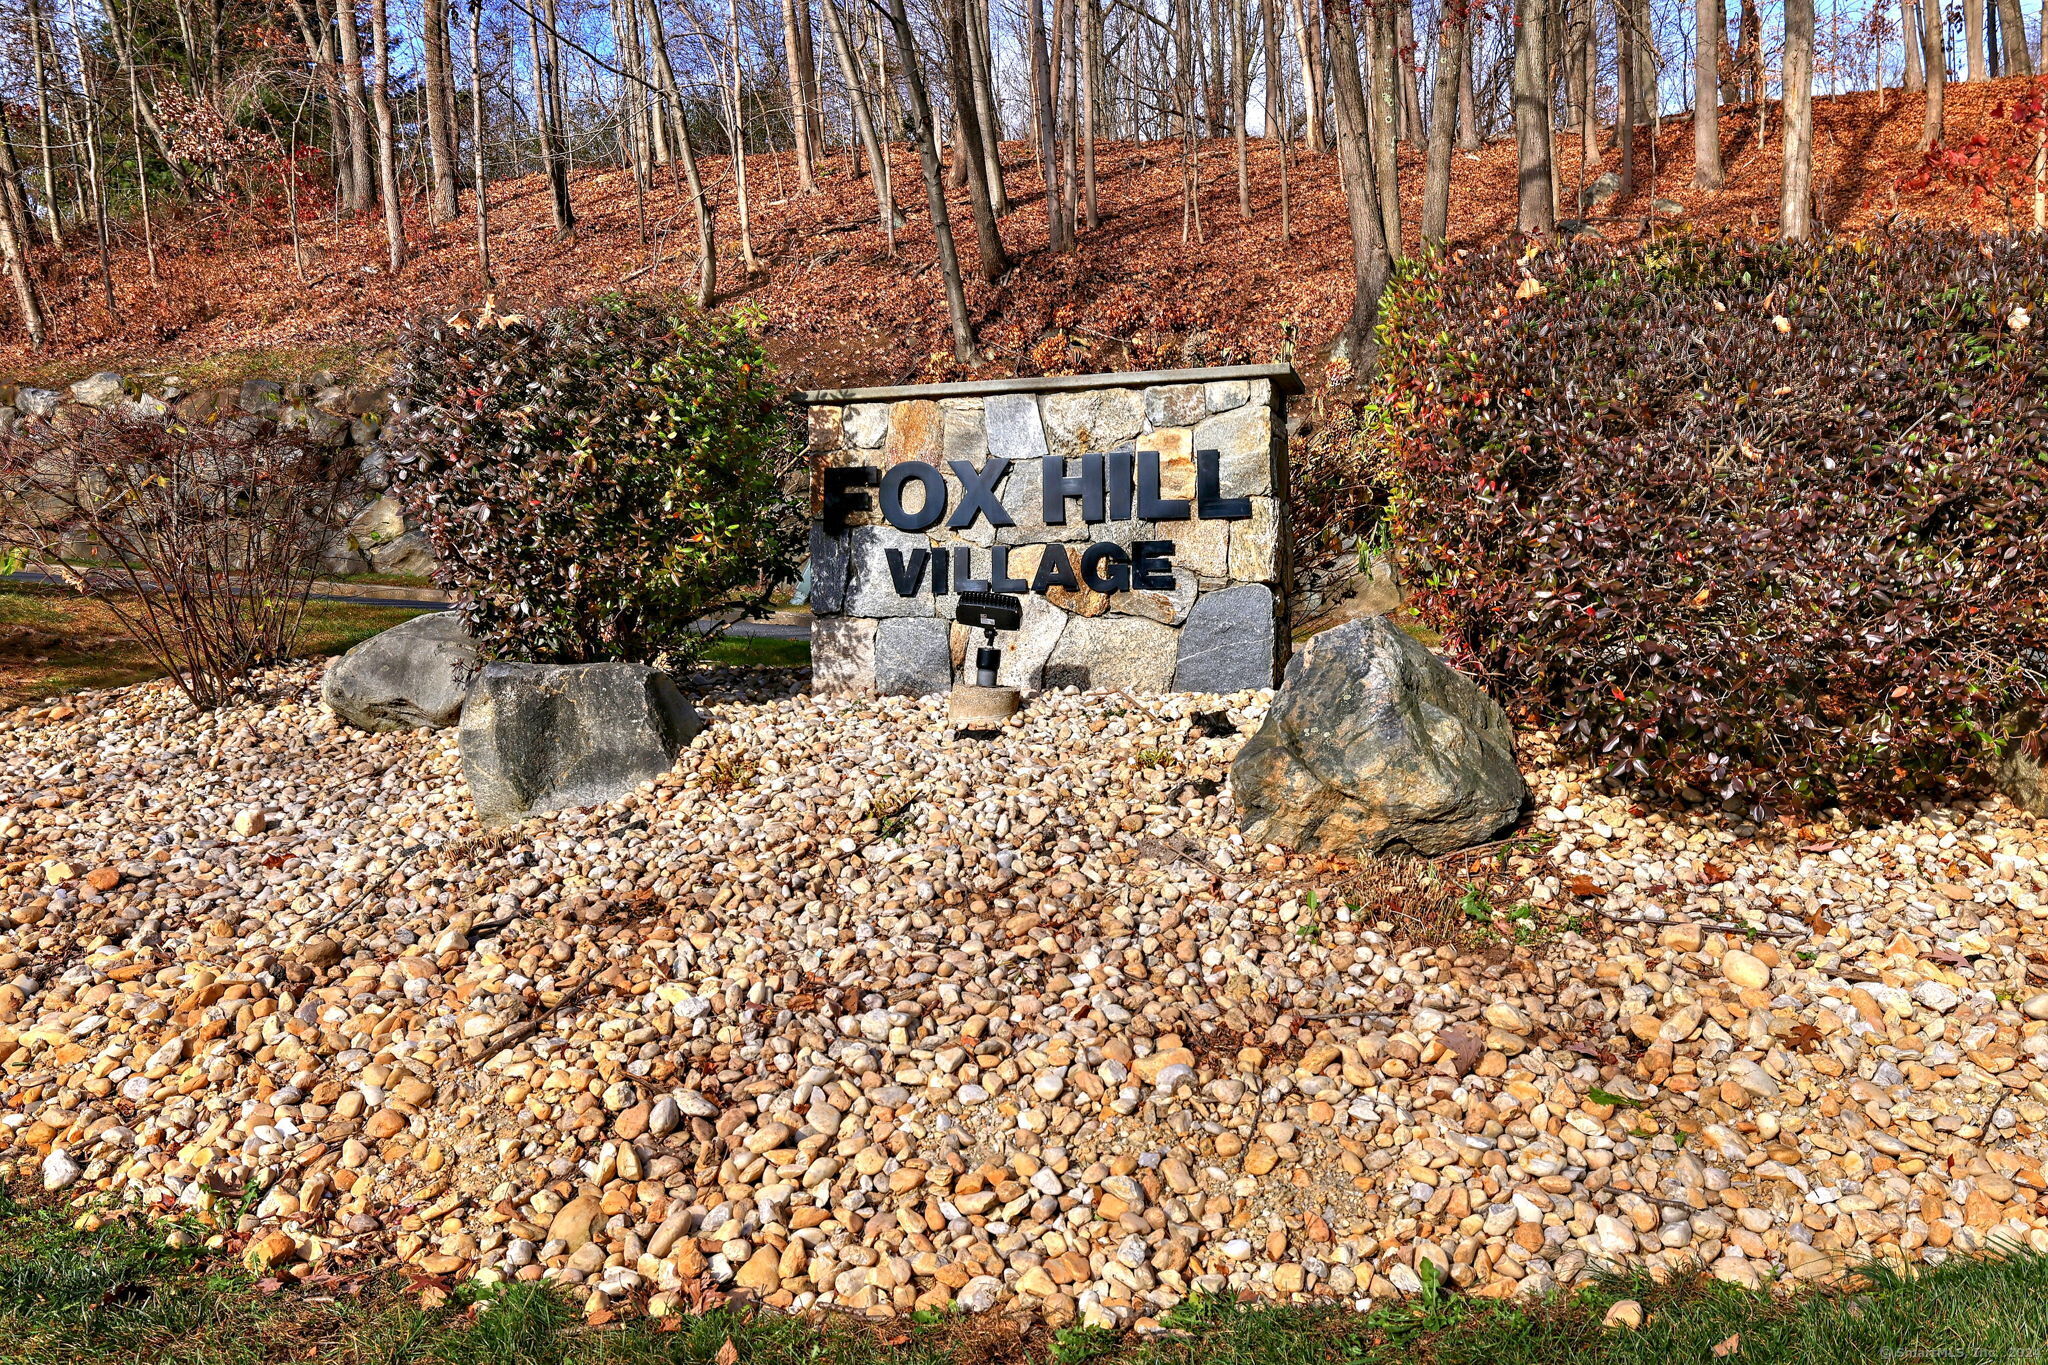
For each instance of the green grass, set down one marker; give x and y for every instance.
(759, 651)
(120, 1294)
(385, 580)
(94, 650)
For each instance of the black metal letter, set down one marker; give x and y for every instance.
(907, 577)
(1104, 567)
(1056, 488)
(1055, 570)
(1209, 499)
(1120, 462)
(999, 579)
(925, 517)
(963, 565)
(978, 493)
(841, 496)
(1152, 507)
(1150, 566)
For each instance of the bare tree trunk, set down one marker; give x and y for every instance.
(1404, 62)
(1706, 97)
(1795, 203)
(1585, 62)
(14, 194)
(1091, 66)
(1240, 100)
(1536, 215)
(2012, 37)
(1973, 40)
(318, 36)
(1436, 180)
(43, 127)
(1372, 261)
(1749, 40)
(14, 256)
(934, 187)
(476, 138)
(988, 111)
(354, 108)
(1070, 123)
(1468, 107)
(700, 203)
(554, 131)
(89, 135)
(1311, 75)
(1043, 115)
(1934, 58)
(440, 101)
(799, 101)
(739, 142)
(956, 165)
(995, 262)
(1276, 85)
(1383, 96)
(141, 169)
(863, 121)
(1909, 29)
(1625, 97)
(387, 137)
(1645, 49)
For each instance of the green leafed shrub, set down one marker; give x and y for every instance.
(1750, 522)
(595, 479)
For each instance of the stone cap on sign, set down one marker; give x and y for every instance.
(1283, 378)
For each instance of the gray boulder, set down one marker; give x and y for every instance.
(1372, 744)
(2023, 776)
(541, 737)
(1603, 188)
(99, 390)
(408, 554)
(38, 402)
(410, 677)
(1227, 645)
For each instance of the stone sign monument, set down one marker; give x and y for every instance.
(1142, 518)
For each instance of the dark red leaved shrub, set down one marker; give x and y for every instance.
(1760, 523)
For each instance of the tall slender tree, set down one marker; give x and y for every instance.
(355, 109)
(1043, 117)
(995, 261)
(921, 130)
(795, 14)
(1934, 60)
(476, 141)
(1626, 103)
(1706, 96)
(1372, 260)
(1795, 203)
(387, 138)
(1443, 100)
(438, 95)
(1536, 203)
(863, 120)
(2012, 38)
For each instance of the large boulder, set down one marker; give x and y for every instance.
(541, 737)
(1373, 744)
(410, 677)
(2021, 772)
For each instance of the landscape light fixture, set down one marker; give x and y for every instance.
(988, 612)
(980, 708)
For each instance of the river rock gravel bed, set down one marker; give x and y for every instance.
(846, 1012)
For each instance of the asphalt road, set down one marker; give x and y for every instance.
(763, 630)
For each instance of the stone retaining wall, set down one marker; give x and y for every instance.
(1214, 623)
(371, 537)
